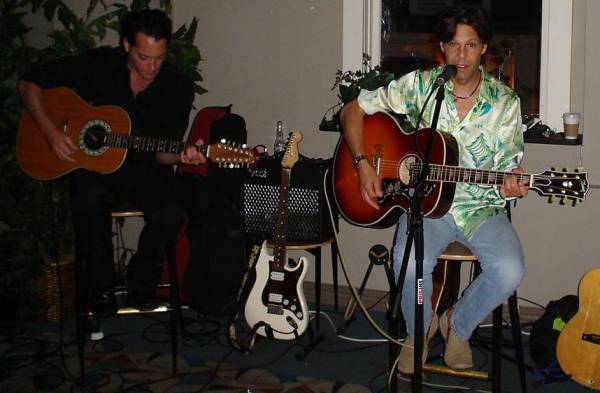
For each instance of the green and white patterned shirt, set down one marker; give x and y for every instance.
(489, 137)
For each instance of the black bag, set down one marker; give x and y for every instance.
(217, 260)
(545, 331)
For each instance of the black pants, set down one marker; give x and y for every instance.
(155, 191)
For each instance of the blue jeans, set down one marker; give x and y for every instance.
(496, 245)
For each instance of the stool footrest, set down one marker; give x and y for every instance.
(471, 374)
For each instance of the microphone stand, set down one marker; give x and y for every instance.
(415, 235)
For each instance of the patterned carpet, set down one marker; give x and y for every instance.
(33, 364)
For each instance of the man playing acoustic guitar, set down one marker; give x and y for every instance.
(484, 116)
(158, 99)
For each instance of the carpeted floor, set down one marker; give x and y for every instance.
(135, 356)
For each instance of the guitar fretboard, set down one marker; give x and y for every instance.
(143, 143)
(279, 250)
(468, 175)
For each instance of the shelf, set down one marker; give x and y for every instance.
(556, 139)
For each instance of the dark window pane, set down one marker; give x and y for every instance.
(513, 55)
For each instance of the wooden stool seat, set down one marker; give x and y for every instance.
(457, 251)
(126, 213)
(295, 245)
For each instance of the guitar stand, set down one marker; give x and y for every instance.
(378, 256)
(313, 340)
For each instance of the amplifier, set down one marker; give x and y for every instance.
(308, 217)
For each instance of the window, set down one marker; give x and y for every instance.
(531, 38)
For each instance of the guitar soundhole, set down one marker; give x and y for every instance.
(92, 138)
(408, 167)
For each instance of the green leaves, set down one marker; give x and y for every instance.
(350, 83)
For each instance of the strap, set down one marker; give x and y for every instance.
(242, 296)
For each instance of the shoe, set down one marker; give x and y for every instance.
(406, 358)
(142, 303)
(148, 304)
(458, 354)
(104, 304)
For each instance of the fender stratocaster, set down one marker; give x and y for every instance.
(276, 306)
(103, 136)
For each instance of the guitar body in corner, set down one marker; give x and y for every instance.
(578, 347)
(277, 298)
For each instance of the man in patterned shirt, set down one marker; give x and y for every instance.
(483, 115)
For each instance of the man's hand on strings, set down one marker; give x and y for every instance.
(512, 187)
(62, 145)
(370, 185)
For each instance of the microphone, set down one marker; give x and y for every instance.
(449, 72)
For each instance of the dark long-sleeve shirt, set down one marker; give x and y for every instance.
(101, 77)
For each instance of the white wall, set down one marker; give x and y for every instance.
(276, 60)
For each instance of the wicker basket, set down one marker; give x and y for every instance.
(49, 290)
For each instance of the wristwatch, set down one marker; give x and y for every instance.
(356, 160)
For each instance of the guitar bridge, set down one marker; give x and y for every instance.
(274, 309)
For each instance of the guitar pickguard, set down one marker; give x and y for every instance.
(394, 189)
(280, 293)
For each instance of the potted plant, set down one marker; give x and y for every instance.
(349, 85)
(35, 223)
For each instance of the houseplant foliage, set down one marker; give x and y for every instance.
(349, 85)
(35, 224)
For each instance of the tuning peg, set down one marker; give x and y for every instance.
(574, 202)
(562, 201)
(565, 169)
(553, 168)
(550, 199)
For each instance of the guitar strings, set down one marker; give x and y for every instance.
(441, 170)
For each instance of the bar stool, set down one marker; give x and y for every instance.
(173, 307)
(447, 277)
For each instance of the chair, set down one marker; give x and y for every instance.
(173, 307)
(446, 277)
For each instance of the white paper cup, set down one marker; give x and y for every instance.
(571, 124)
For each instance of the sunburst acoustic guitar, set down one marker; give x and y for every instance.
(392, 153)
(103, 134)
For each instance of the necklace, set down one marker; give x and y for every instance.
(457, 97)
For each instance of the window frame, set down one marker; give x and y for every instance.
(362, 34)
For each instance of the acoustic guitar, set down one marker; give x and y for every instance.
(276, 306)
(103, 134)
(578, 347)
(393, 154)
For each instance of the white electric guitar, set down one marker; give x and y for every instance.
(276, 306)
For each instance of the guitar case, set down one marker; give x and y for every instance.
(545, 331)
(211, 254)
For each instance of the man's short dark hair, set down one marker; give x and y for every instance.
(468, 15)
(152, 22)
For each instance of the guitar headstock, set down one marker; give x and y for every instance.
(562, 184)
(229, 155)
(291, 155)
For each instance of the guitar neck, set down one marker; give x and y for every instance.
(145, 143)
(454, 174)
(281, 223)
